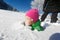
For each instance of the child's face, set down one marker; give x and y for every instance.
(28, 21)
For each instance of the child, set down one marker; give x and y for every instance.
(32, 19)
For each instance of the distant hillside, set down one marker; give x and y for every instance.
(5, 6)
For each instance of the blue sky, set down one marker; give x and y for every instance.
(21, 5)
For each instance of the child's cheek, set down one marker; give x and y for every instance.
(28, 22)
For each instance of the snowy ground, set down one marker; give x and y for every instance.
(11, 28)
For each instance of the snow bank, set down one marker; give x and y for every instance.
(11, 28)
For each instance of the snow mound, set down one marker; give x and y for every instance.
(12, 28)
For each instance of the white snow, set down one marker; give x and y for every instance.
(12, 28)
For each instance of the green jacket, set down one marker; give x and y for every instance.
(37, 26)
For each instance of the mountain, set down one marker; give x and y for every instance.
(4, 5)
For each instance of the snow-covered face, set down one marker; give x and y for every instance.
(28, 21)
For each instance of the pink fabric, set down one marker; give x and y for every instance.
(33, 14)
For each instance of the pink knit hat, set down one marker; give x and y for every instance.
(33, 14)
